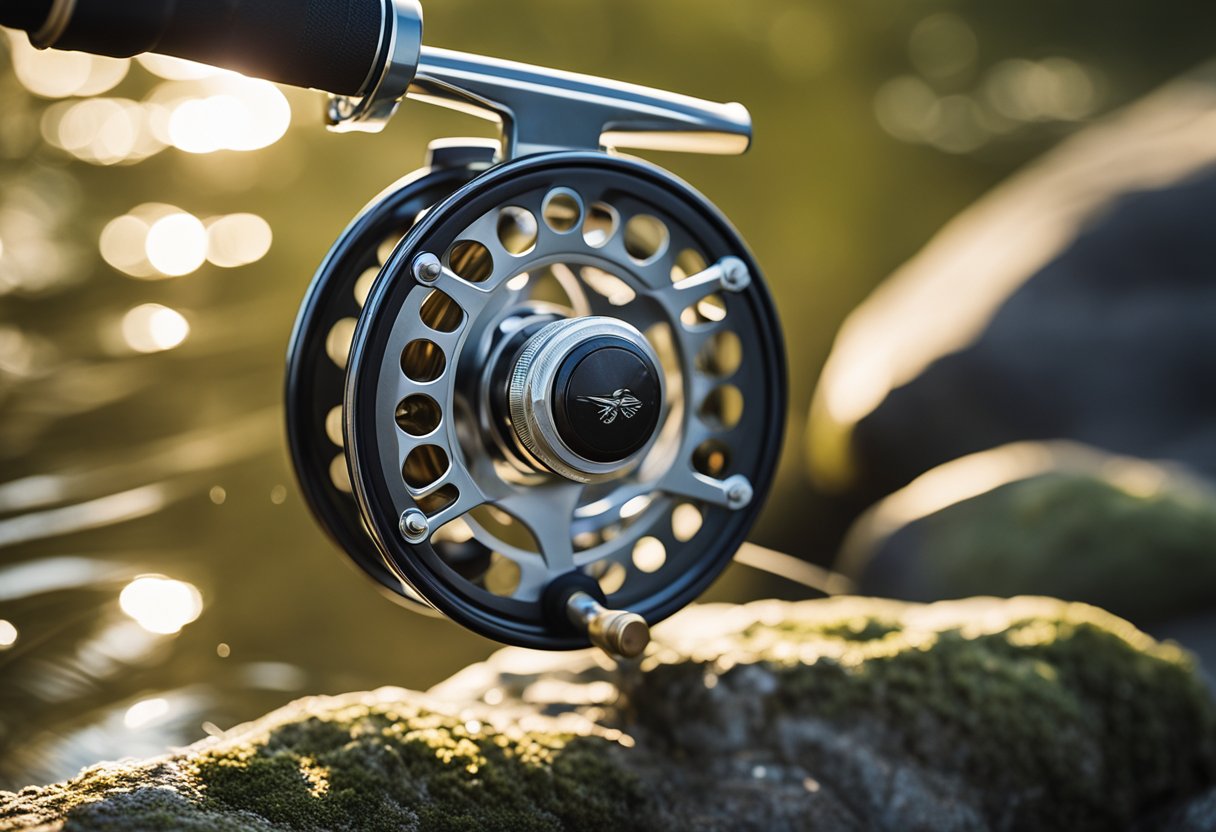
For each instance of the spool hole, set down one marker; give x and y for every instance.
(470, 260)
(686, 521)
(708, 310)
(721, 355)
(711, 458)
(688, 262)
(333, 425)
(338, 341)
(425, 465)
(600, 224)
(517, 229)
(422, 361)
(418, 415)
(339, 476)
(646, 237)
(502, 578)
(723, 407)
(609, 575)
(440, 312)
(562, 210)
(363, 286)
(505, 527)
(438, 500)
(649, 554)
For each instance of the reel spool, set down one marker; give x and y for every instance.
(539, 388)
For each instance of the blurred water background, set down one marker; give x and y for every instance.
(159, 574)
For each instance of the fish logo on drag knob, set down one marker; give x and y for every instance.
(621, 403)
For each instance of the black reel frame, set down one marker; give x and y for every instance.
(367, 524)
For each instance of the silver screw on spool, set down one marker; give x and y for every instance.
(427, 268)
(414, 525)
(738, 492)
(619, 632)
(735, 275)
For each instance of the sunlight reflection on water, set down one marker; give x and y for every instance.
(161, 605)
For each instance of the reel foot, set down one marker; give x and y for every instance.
(617, 632)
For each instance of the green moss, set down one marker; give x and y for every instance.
(1146, 552)
(357, 762)
(397, 766)
(1031, 713)
(1059, 713)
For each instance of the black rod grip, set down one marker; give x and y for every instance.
(329, 45)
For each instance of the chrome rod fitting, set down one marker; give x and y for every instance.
(538, 109)
(390, 77)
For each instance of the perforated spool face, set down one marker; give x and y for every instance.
(316, 361)
(562, 235)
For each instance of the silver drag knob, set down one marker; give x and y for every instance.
(586, 397)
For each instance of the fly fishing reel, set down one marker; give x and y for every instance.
(538, 386)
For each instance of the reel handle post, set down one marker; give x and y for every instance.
(539, 109)
(617, 632)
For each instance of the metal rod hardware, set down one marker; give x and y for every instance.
(538, 109)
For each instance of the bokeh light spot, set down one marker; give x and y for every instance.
(159, 604)
(241, 114)
(942, 46)
(151, 327)
(238, 240)
(8, 634)
(52, 73)
(146, 712)
(177, 244)
(122, 245)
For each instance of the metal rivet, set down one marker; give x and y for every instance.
(427, 267)
(738, 491)
(735, 275)
(414, 525)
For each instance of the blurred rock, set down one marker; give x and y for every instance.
(1053, 519)
(1076, 301)
(1198, 634)
(840, 714)
(1198, 815)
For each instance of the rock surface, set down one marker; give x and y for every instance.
(839, 714)
(1074, 302)
(1058, 519)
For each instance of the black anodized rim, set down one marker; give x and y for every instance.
(314, 383)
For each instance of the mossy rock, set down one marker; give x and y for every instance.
(1127, 535)
(840, 714)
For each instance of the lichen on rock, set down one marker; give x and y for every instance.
(840, 714)
(384, 760)
(1060, 710)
